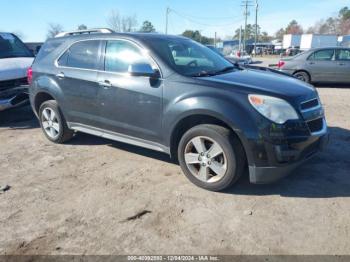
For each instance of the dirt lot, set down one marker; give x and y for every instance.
(76, 198)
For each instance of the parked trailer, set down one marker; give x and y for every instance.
(290, 40)
(309, 41)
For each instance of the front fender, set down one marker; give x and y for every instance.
(234, 112)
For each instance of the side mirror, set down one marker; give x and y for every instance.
(141, 69)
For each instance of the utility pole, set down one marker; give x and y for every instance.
(245, 4)
(240, 39)
(167, 20)
(215, 39)
(256, 24)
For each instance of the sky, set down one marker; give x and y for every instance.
(30, 18)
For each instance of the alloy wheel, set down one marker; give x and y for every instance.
(205, 159)
(50, 123)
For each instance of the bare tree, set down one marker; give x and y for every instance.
(54, 29)
(129, 23)
(121, 24)
(114, 21)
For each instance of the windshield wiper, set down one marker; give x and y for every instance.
(213, 73)
(225, 70)
(202, 74)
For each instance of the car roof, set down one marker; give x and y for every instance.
(329, 47)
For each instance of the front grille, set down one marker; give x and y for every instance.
(315, 125)
(310, 104)
(13, 83)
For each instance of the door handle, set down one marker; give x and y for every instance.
(105, 84)
(311, 63)
(341, 64)
(60, 75)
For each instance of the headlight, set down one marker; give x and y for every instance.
(273, 108)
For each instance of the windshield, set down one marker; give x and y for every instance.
(189, 58)
(11, 46)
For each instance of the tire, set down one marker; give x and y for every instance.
(53, 124)
(303, 76)
(214, 172)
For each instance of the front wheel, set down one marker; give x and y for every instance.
(211, 157)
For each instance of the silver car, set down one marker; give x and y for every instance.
(319, 65)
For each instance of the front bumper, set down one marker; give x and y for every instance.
(307, 149)
(266, 175)
(13, 97)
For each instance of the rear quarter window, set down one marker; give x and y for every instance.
(83, 55)
(47, 49)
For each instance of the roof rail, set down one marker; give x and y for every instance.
(88, 31)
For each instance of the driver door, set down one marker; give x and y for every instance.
(130, 105)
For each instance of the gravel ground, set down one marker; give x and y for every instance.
(94, 196)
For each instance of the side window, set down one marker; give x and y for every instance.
(63, 59)
(83, 55)
(322, 55)
(121, 54)
(343, 54)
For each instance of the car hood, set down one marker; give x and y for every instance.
(269, 83)
(14, 68)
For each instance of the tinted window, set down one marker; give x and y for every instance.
(83, 55)
(323, 55)
(47, 48)
(343, 54)
(121, 54)
(11, 46)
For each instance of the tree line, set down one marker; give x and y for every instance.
(339, 24)
(115, 21)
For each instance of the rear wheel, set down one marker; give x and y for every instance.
(303, 76)
(211, 157)
(53, 123)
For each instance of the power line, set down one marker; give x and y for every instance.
(204, 24)
(204, 18)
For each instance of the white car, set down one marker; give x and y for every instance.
(242, 59)
(15, 60)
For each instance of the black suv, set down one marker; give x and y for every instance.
(173, 95)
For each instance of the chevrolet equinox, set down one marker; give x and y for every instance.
(174, 95)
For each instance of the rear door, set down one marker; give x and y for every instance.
(77, 77)
(322, 66)
(343, 65)
(130, 105)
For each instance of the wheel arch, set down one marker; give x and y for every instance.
(190, 121)
(40, 98)
(304, 71)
